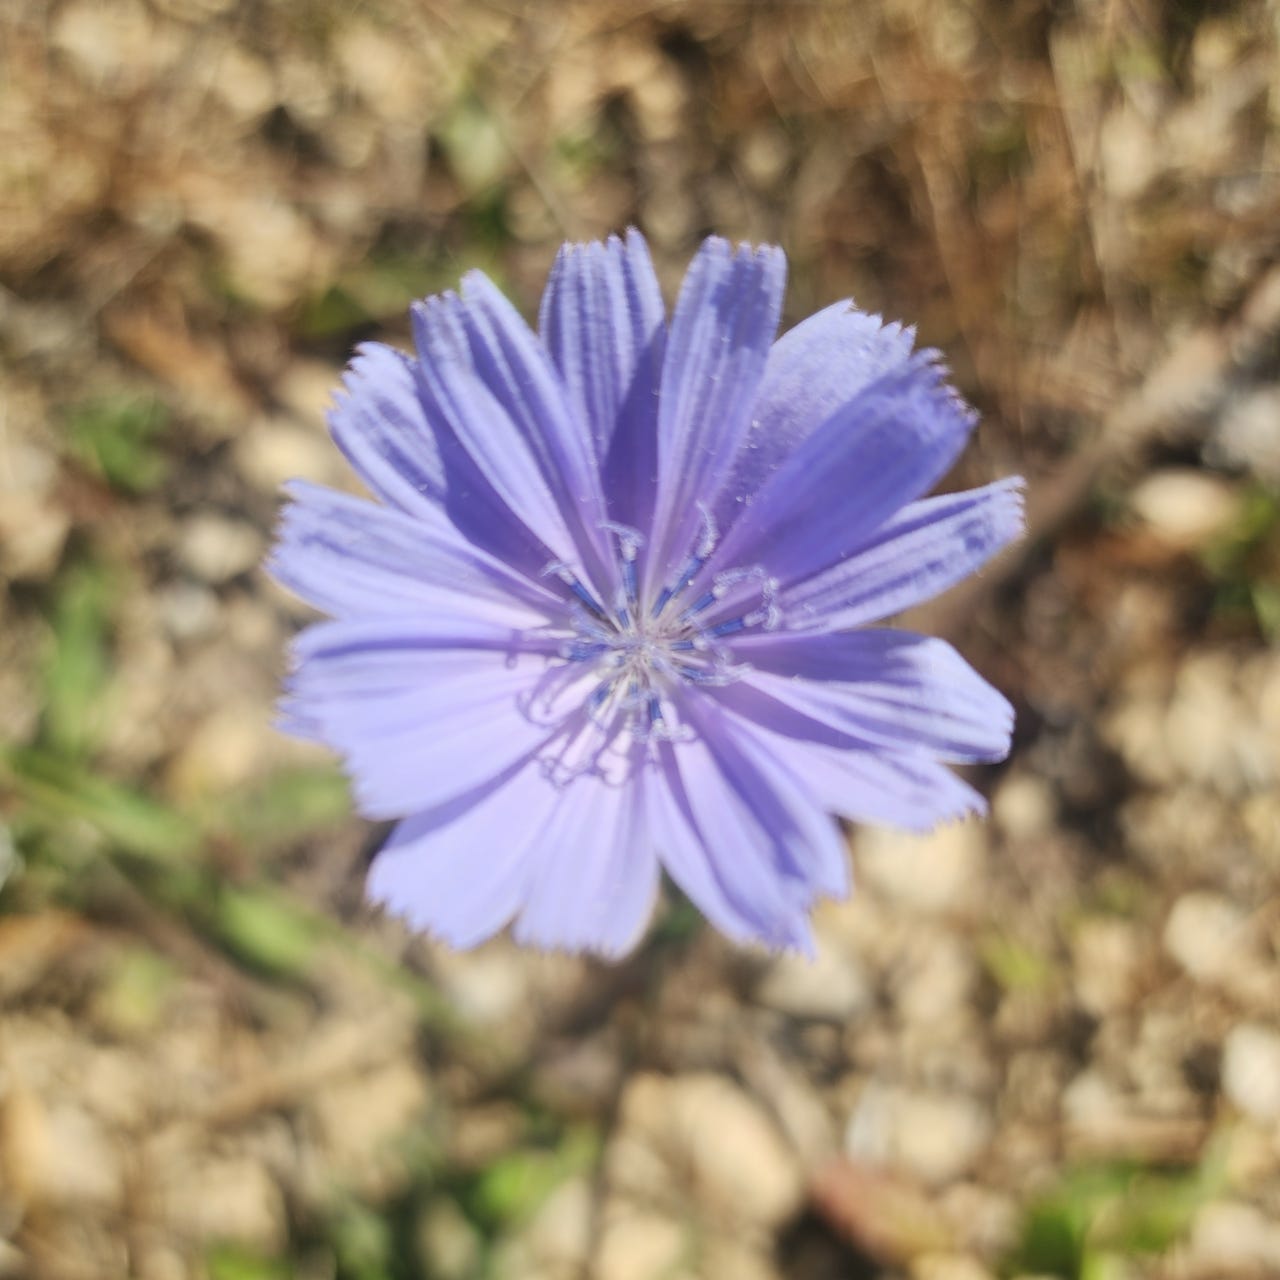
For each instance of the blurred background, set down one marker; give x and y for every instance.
(1048, 1044)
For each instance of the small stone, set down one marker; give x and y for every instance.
(938, 872)
(1135, 728)
(560, 1232)
(831, 987)
(382, 70)
(115, 1085)
(738, 1160)
(1033, 1083)
(33, 522)
(1246, 433)
(103, 42)
(986, 1222)
(58, 1154)
(634, 1166)
(1105, 955)
(1212, 730)
(243, 83)
(156, 1261)
(1205, 934)
(481, 1133)
(729, 1258)
(934, 1137)
(450, 1246)
(360, 1119)
(10, 865)
(737, 1163)
(948, 1266)
(1129, 156)
(33, 531)
(226, 750)
(307, 389)
(218, 548)
(1091, 1101)
(1250, 1155)
(13, 1262)
(934, 982)
(764, 155)
(189, 611)
(206, 1198)
(1251, 1070)
(1023, 806)
(1184, 508)
(1229, 1235)
(277, 449)
(638, 1245)
(488, 988)
(272, 253)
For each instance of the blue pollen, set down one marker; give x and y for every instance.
(687, 574)
(728, 628)
(704, 601)
(584, 652)
(587, 600)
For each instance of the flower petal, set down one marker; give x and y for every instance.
(884, 688)
(724, 323)
(748, 909)
(352, 558)
(381, 426)
(887, 446)
(578, 868)
(419, 720)
(515, 365)
(461, 871)
(603, 321)
(899, 788)
(596, 879)
(888, 788)
(491, 382)
(741, 833)
(813, 370)
(916, 554)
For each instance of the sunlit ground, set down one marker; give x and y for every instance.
(1048, 1044)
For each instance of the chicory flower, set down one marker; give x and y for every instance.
(609, 613)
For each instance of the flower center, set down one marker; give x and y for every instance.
(641, 652)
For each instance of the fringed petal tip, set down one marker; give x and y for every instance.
(1013, 489)
(965, 804)
(293, 719)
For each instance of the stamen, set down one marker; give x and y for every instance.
(722, 675)
(581, 651)
(767, 614)
(725, 582)
(708, 541)
(704, 601)
(629, 540)
(629, 581)
(538, 704)
(700, 555)
(559, 569)
(629, 543)
(728, 628)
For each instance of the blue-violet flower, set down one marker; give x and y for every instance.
(608, 615)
